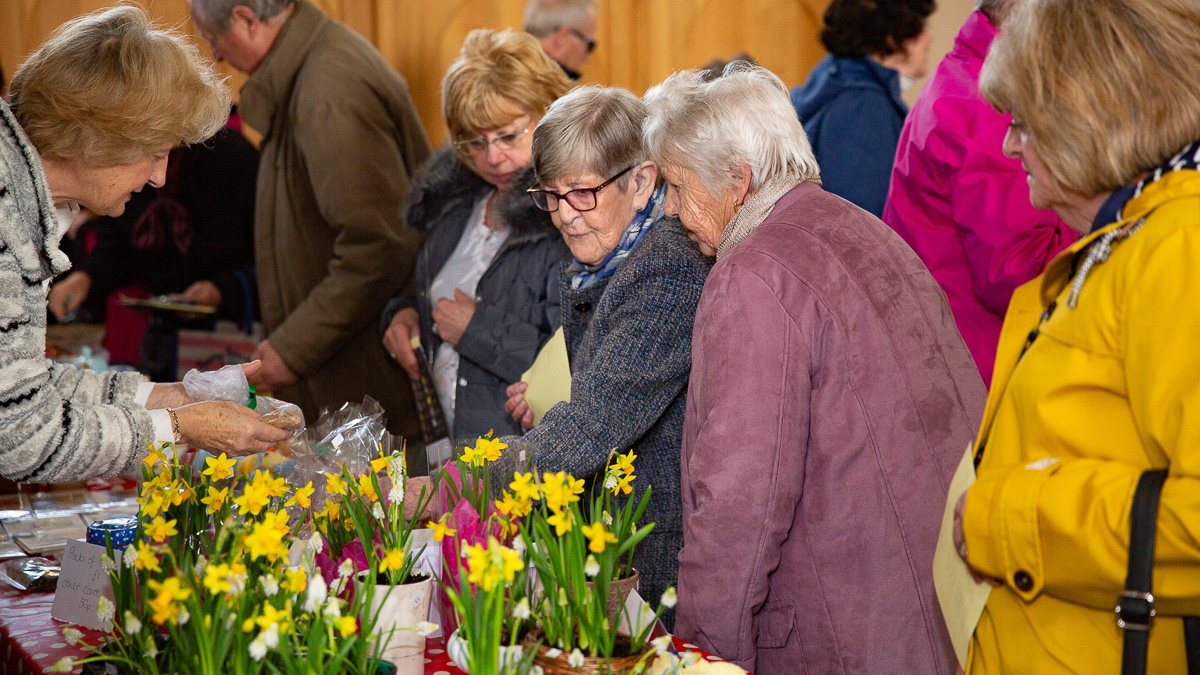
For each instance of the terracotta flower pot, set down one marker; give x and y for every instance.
(556, 661)
(403, 606)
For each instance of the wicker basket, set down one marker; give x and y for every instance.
(592, 665)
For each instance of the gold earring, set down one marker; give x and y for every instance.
(736, 206)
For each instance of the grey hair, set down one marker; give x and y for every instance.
(543, 17)
(710, 126)
(996, 10)
(216, 13)
(592, 129)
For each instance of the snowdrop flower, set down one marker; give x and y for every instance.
(64, 665)
(346, 568)
(132, 625)
(315, 543)
(151, 652)
(521, 611)
(333, 608)
(258, 648)
(607, 518)
(107, 564)
(338, 585)
(669, 597)
(610, 481)
(427, 628)
(377, 511)
(396, 495)
(270, 585)
(72, 635)
(591, 566)
(129, 557)
(314, 596)
(105, 610)
(183, 616)
(518, 544)
(661, 644)
(575, 660)
(271, 636)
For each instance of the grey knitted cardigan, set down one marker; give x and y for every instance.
(629, 339)
(57, 423)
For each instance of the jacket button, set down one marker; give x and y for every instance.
(462, 381)
(1022, 581)
(583, 307)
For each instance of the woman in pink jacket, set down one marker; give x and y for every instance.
(960, 203)
(830, 400)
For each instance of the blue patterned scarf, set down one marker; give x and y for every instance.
(586, 276)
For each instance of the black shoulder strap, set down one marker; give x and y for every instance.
(1135, 607)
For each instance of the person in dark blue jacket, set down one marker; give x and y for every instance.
(851, 106)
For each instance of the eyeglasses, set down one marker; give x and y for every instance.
(580, 199)
(479, 145)
(591, 44)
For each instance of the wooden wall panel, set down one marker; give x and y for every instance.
(640, 41)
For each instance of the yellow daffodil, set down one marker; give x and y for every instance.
(160, 529)
(561, 520)
(480, 570)
(524, 488)
(147, 558)
(295, 580)
(334, 484)
(254, 498)
(215, 499)
(302, 496)
(332, 509)
(266, 537)
(598, 537)
(280, 617)
(441, 529)
(160, 480)
(366, 488)
(219, 468)
(181, 492)
(153, 504)
(163, 604)
(510, 562)
(276, 487)
(392, 560)
(346, 626)
(380, 464)
(489, 448)
(623, 485)
(154, 457)
(624, 463)
(561, 490)
(472, 457)
(216, 578)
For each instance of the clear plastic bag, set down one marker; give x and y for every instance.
(31, 574)
(349, 436)
(286, 416)
(227, 384)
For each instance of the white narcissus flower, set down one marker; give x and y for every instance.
(591, 566)
(201, 564)
(427, 628)
(64, 665)
(107, 563)
(258, 648)
(72, 635)
(669, 597)
(346, 568)
(521, 611)
(377, 511)
(105, 609)
(271, 636)
(133, 626)
(575, 660)
(129, 557)
(314, 595)
(661, 644)
(270, 585)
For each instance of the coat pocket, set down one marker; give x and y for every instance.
(774, 624)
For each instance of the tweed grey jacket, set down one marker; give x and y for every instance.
(57, 423)
(629, 339)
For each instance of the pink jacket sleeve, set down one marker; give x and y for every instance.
(743, 459)
(1007, 241)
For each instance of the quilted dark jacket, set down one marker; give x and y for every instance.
(629, 339)
(516, 301)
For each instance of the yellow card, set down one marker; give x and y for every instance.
(961, 597)
(549, 378)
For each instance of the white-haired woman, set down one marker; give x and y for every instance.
(830, 400)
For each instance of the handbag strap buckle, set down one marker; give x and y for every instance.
(1135, 611)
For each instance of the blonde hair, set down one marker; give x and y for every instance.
(110, 88)
(1104, 88)
(498, 75)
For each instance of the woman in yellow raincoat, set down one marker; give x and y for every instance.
(1097, 377)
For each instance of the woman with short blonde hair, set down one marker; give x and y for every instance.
(486, 274)
(1095, 383)
(94, 113)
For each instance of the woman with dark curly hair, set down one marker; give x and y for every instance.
(851, 106)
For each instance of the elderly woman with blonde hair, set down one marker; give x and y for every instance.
(94, 112)
(487, 277)
(1091, 423)
(830, 400)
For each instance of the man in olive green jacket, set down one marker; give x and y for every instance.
(340, 140)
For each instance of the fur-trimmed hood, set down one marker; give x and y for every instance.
(444, 181)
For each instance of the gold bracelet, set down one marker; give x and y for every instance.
(175, 425)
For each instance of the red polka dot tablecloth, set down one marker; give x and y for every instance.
(33, 641)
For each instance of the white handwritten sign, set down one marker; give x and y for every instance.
(82, 582)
